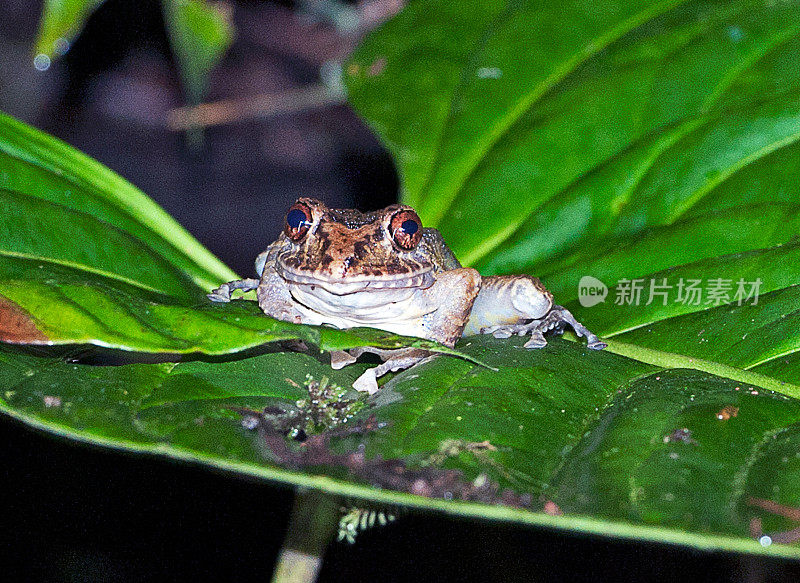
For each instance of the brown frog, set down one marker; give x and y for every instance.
(382, 269)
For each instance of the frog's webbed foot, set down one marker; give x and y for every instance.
(393, 360)
(556, 320)
(223, 292)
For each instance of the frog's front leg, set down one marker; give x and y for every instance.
(393, 360)
(520, 304)
(223, 292)
(275, 299)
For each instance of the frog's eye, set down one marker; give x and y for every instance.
(298, 220)
(406, 229)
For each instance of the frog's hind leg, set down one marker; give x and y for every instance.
(394, 360)
(556, 321)
(223, 292)
(520, 305)
(559, 317)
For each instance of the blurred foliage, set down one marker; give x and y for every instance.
(61, 22)
(200, 33)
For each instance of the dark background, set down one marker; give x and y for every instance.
(71, 512)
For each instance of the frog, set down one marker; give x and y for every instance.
(383, 269)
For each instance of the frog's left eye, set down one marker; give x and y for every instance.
(298, 220)
(406, 229)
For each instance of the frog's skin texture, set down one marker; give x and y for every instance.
(381, 269)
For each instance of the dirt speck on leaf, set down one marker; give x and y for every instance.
(727, 412)
(377, 67)
(51, 401)
(682, 435)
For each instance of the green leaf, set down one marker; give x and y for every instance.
(61, 22)
(594, 433)
(531, 133)
(200, 34)
(85, 203)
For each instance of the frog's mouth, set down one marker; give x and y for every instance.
(357, 282)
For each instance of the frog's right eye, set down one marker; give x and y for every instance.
(406, 229)
(298, 220)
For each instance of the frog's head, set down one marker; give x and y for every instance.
(347, 251)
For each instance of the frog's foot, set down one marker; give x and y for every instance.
(341, 358)
(556, 320)
(223, 292)
(393, 360)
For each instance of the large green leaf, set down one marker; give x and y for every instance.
(596, 434)
(532, 133)
(85, 201)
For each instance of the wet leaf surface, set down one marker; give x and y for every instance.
(615, 445)
(538, 137)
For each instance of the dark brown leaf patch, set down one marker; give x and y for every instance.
(16, 325)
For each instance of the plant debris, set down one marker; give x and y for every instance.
(393, 474)
(783, 537)
(727, 412)
(325, 409)
(682, 435)
(357, 520)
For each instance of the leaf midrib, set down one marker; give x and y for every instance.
(672, 360)
(584, 53)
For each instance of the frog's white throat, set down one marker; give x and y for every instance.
(398, 310)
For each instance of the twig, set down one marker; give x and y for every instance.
(256, 107)
(790, 512)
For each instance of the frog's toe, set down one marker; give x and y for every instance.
(367, 382)
(341, 358)
(221, 294)
(536, 340)
(596, 343)
(564, 317)
(503, 331)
